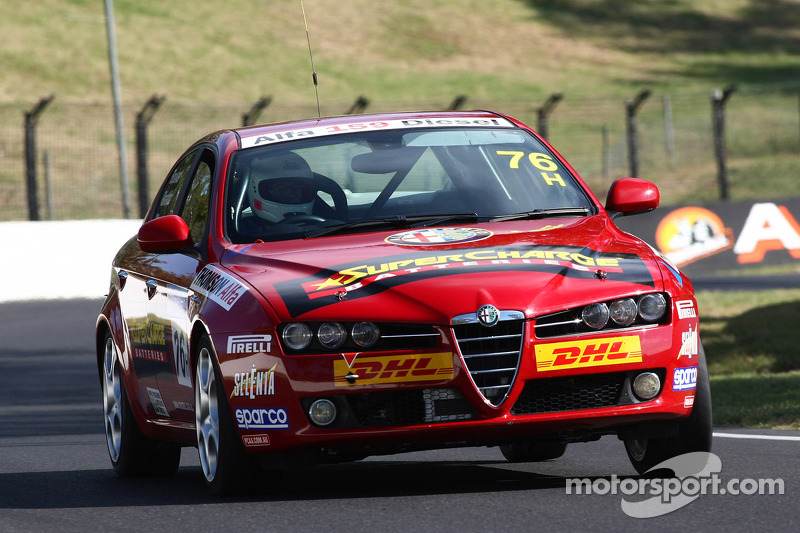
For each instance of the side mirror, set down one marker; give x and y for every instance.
(165, 234)
(630, 196)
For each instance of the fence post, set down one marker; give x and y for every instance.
(543, 114)
(631, 109)
(48, 190)
(359, 106)
(250, 118)
(143, 118)
(31, 119)
(719, 97)
(669, 132)
(606, 153)
(457, 103)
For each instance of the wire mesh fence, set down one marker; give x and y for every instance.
(78, 173)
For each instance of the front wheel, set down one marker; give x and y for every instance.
(694, 433)
(222, 457)
(132, 454)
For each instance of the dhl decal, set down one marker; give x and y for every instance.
(381, 369)
(367, 279)
(595, 352)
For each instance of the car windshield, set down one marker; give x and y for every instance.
(403, 177)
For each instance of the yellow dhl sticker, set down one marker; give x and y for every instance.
(376, 370)
(595, 352)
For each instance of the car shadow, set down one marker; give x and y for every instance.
(370, 479)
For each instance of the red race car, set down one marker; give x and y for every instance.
(325, 290)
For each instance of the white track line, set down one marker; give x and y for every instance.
(755, 437)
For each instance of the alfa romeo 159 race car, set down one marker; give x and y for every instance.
(325, 290)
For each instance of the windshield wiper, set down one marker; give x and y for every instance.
(400, 221)
(543, 213)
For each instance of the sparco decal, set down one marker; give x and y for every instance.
(254, 384)
(358, 280)
(684, 378)
(394, 369)
(219, 286)
(595, 352)
(352, 127)
(260, 419)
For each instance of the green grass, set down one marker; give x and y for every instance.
(757, 400)
(751, 344)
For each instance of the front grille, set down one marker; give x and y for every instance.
(492, 353)
(406, 407)
(567, 394)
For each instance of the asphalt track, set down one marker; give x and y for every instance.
(55, 474)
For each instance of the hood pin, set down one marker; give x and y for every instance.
(341, 295)
(351, 378)
(601, 274)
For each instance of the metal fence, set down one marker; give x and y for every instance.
(78, 176)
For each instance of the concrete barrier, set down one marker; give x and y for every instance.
(60, 259)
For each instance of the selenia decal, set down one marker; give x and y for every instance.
(219, 286)
(435, 236)
(367, 279)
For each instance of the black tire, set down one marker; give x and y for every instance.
(694, 433)
(138, 455)
(528, 452)
(235, 470)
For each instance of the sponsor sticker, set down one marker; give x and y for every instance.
(255, 441)
(219, 286)
(689, 343)
(684, 378)
(434, 236)
(262, 418)
(688, 401)
(148, 339)
(686, 309)
(376, 370)
(249, 344)
(157, 401)
(183, 406)
(254, 384)
(353, 127)
(595, 352)
(180, 352)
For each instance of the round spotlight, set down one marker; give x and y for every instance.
(646, 385)
(331, 335)
(595, 316)
(652, 306)
(365, 334)
(623, 312)
(322, 412)
(297, 336)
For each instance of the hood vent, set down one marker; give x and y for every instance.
(491, 354)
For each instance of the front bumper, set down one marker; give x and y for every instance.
(377, 416)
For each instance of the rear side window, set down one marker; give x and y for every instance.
(171, 192)
(195, 209)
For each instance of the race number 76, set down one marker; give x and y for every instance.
(542, 162)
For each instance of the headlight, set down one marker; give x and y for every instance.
(595, 316)
(331, 335)
(365, 334)
(297, 336)
(623, 312)
(652, 307)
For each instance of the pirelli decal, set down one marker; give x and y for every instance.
(379, 370)
(368, 278)
(605, 351)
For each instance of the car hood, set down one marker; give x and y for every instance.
(433, 274)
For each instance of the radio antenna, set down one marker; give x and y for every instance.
(311, 57)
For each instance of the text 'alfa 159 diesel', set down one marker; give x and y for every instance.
(336, 288)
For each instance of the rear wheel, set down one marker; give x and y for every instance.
(694, 433)
(225, 465)
(527, 452)
(132, 454)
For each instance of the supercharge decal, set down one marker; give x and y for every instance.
(371, 278)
